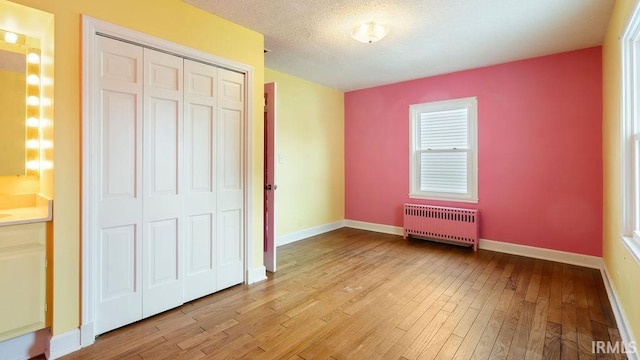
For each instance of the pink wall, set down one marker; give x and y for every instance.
(540, 149)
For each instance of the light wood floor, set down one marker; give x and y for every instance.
(352, 294)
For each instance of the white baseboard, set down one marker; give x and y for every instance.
(307, 233)
(64, 344)
(26, 346)
(618, 312)
(385, 229)
(87, 336)
(256, 274)
(589, 261)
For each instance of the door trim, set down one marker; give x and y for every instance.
(90, 97)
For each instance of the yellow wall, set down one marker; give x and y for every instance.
(175, 21)
(621, 266)
(310, 139)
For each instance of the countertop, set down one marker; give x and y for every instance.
(25, 209)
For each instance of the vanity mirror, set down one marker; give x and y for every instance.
(20, 143)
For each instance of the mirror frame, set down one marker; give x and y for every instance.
(37, 24)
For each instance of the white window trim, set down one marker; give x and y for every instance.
(471, 103)
(630, 45)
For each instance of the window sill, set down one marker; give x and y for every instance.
(435, 198)
(633, 246)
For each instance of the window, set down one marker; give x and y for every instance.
(630, 135)
(443, 150)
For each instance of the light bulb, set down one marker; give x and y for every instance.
(33, 144)
(33, 122)
(33, 58)
(33, 165)
(33, 79)
(10, 37)
(33, 101)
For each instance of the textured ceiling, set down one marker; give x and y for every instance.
(311, 39)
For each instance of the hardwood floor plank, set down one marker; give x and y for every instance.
(462, 299)
(518, 282)
(568, 295)
(194, 354)
(281, 345)
(254, 353)
(214, 333)
(535, 343)
(555, 294)
(479, 326)
(422, 340)
(607, 312)
(170, 347)
(353, 294)
(552, 341)
(449, 348)
(584, 335)
(600, 333)
(569, 332)
(436, 289)
(233, 349)
(132, 351)
(419, 326)
(614, 335)
(595, 306)
(534, 283)
(518, 347)
(488, 339)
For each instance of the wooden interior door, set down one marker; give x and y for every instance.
(162, 232)
(230, 179)
(200, 114)
(269, 177)
(119, 190)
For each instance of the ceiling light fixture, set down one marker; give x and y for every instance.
(369, 32)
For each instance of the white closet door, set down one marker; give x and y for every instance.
(200, 84)
(229, 176)
(170, 196)
(118, 139)
(162, 273)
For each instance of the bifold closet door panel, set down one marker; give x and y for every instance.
(230, 178)
(162, 273)
(200, 92)
(118, 191)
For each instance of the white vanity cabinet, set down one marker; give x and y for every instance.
(22, 279)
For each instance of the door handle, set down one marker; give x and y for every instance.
(269, 187)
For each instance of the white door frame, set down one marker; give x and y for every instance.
(90, 97)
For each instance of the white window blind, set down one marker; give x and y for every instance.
(443, 153)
